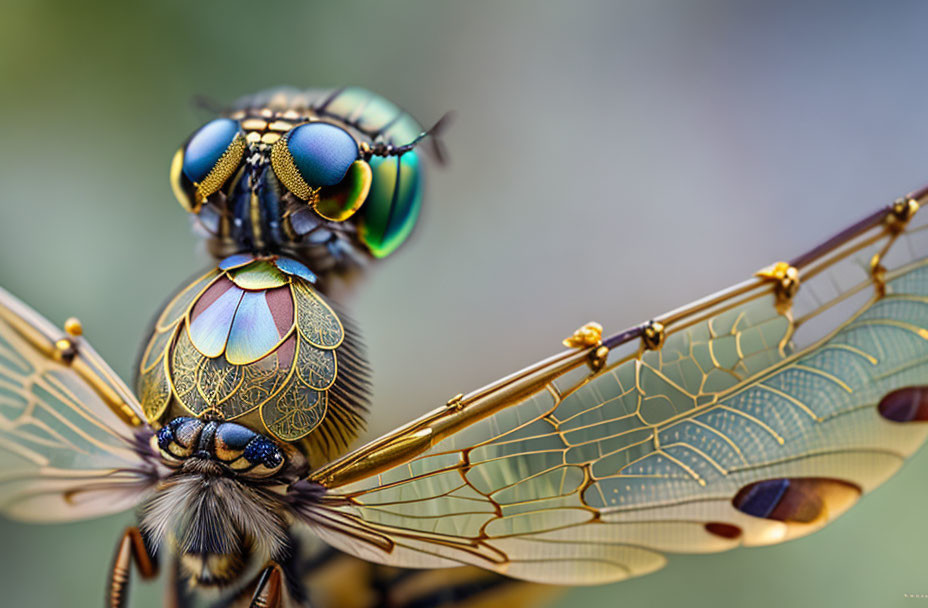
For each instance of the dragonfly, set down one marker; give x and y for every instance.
(752, 416)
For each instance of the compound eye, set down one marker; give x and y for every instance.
(265, 456)
(320, 163)
(177, 439)
(321, 152)
(393, 205)
(206, 161)
(231, 440)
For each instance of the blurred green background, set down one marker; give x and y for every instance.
(609, 161)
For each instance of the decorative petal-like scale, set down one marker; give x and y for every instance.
(262, 274)
(234, 261)
(317, 322)
(258, 337)
(184, 365)
(254, 331)
(317, 368)
(294, 413)
(155, 387)
(179, 305)
(294, 268)
(212, 316)
(157, 346)
(217, 380)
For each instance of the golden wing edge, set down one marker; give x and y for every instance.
(419, 435)
(71, 349)
(86, 409)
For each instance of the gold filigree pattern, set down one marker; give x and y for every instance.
(263, 379)
(316, 368)
(318, 323)
(217, 381)
(185, 361)
(301, 366)
(294, 413)
(155, 390)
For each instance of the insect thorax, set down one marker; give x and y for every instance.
(253, 342)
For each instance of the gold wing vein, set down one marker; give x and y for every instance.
(72, 443)
(563, 474)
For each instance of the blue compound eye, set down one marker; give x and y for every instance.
(233, 437)
(321, 164)
(207, 146)
(313, 155)
(321, 153)
(206, 161)
(178, 438)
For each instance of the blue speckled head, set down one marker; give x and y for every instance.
(263, 451)
(322, 152)
(237, 447)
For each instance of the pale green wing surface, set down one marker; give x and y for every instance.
(756, 421)
(72, 444)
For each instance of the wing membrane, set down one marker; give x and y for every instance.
(561, 474)
(72, 444)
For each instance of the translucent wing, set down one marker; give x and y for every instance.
(337, 580)
(72, 444)
(750, 417)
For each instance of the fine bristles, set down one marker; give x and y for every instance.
(204, 513)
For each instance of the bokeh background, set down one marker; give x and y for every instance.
(610, 161)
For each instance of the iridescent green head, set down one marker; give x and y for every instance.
(324, 176)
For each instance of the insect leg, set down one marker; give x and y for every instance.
(130, 549)
(176, 593)
(269, 591)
